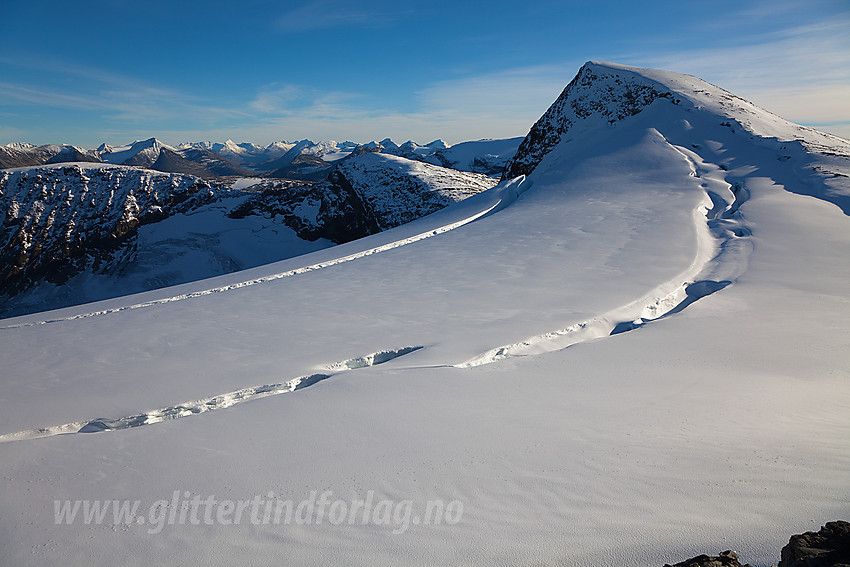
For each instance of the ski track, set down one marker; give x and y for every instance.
(722, 255)
(204, 405)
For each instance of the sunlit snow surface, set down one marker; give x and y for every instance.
(720, 420)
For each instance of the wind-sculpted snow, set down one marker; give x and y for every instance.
(509, 194)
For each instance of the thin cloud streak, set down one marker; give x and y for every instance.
(801, 74)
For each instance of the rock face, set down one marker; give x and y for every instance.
(829, 547)
(59, 221)
(597, 95)
(320, 210)
(725, 559)
(395, 190)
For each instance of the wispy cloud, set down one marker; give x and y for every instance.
(111, 96)
(801, 73)
(35, 95)
(323, 14)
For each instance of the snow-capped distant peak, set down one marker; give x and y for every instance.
(141, 152)
(438, 144)
(20, 146)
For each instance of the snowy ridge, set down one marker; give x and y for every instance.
(720, 254)
(480, 156)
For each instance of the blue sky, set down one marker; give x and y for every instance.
(114, 71)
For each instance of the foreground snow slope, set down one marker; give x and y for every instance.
(721, 420)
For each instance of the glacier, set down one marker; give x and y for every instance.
(634, 351)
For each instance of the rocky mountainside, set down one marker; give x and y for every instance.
(596, 95)
(396, 190)
(302, 160)
(489, 157)
(151, 154)
(75, 232)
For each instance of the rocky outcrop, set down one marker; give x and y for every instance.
(829, 547)
(725, 559)
(598, 95)
(313, 211)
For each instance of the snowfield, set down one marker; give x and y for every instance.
(635, 354)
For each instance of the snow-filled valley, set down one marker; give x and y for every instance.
(633, 351)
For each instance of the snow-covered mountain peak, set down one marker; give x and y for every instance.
(20, 146)
(602, 94)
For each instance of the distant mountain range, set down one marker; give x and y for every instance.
(302, 160)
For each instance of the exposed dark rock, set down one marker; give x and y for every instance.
(597, 95)
(57, 222)
(339, 212)
(725, 559)
(829, 547)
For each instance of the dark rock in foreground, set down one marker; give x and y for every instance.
(829, 547)
(725, 559)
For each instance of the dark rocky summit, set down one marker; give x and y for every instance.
(597, 95)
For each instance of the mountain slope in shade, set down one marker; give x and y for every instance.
(635, 353)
